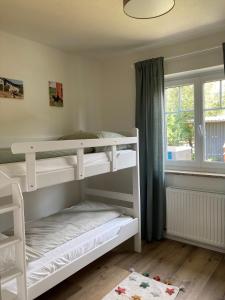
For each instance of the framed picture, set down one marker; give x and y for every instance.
(55, 94)
(11, 88)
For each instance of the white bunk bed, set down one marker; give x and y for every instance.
(16, 178)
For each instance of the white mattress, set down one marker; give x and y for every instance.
(71, 251)
(18, 169)
(48, 233)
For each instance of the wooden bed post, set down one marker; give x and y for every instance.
(19, 232)
(83, 189)
(136, 195)
(31, 171)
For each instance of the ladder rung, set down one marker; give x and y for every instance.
(10, 275)
(7, 208)
(9, 242)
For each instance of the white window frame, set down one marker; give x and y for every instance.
(198, 78)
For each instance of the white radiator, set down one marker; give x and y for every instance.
(196, 216)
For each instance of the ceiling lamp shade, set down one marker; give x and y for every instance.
(147, 9)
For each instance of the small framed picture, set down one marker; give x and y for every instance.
(55, 93)
(11, 88)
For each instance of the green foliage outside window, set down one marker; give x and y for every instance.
(180, 115)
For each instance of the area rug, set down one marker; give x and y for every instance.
(138, 287)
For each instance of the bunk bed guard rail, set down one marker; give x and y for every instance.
(31, 148)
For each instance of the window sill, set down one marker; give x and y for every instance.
(190, 173)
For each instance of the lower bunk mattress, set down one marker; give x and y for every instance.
(54, 252)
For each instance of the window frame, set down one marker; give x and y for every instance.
(197, 79)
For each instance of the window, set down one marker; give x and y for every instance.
(180, 122)
(195, 122)
(214, 120)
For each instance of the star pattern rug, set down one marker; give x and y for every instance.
(138, 287)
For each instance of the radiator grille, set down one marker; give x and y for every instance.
(196, 216)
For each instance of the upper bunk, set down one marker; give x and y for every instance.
(33, 173)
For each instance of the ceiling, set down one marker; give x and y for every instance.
(101, 25)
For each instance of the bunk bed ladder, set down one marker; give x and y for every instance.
(18, 240)
(19, 232)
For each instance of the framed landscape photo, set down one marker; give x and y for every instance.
(55, 93)
(11, 88)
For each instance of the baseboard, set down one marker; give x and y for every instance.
(194, 243)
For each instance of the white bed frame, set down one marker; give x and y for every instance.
(32, 181)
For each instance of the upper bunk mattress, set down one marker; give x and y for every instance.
(125, 158)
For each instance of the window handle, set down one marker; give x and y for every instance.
(200, 129)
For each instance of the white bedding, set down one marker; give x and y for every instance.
(58, 239)
(45, 234)
(18, 169)
(71, 251)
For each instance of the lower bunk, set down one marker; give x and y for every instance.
(61, 244)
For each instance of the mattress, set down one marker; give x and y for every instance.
(71, 251)
(18, 169)
(45, 234)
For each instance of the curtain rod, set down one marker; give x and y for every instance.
(192, 53)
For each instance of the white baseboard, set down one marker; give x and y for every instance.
(194, 243)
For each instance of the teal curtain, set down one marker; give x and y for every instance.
(150, 121)
(224, 56)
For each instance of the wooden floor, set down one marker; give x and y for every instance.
(201, 271)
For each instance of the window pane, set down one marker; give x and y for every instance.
(172, 99)
(187, 97)
(180, 136)
(223, 93)
(214, 135)
(212, 95)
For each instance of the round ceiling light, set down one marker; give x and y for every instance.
(147, 9)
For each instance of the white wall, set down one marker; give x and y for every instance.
(86, 84)
(36, 64)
